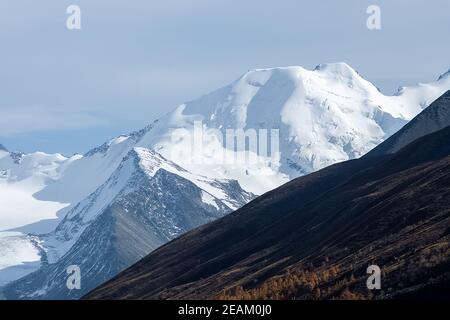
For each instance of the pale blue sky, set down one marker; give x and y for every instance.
(133, 61)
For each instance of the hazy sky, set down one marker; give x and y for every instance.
(132, 61)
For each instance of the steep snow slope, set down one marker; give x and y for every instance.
(147, 201)
(82, 177)
(432, 119)
(324, 116)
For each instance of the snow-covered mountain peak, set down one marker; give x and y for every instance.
(263, 93)
(339, 68)
(115, 144)
(107, 145)
(325, 115)
(151, 161)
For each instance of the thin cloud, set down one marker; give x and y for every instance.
(26, 119)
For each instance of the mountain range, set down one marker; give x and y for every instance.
(315, 237)
(134, 189)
